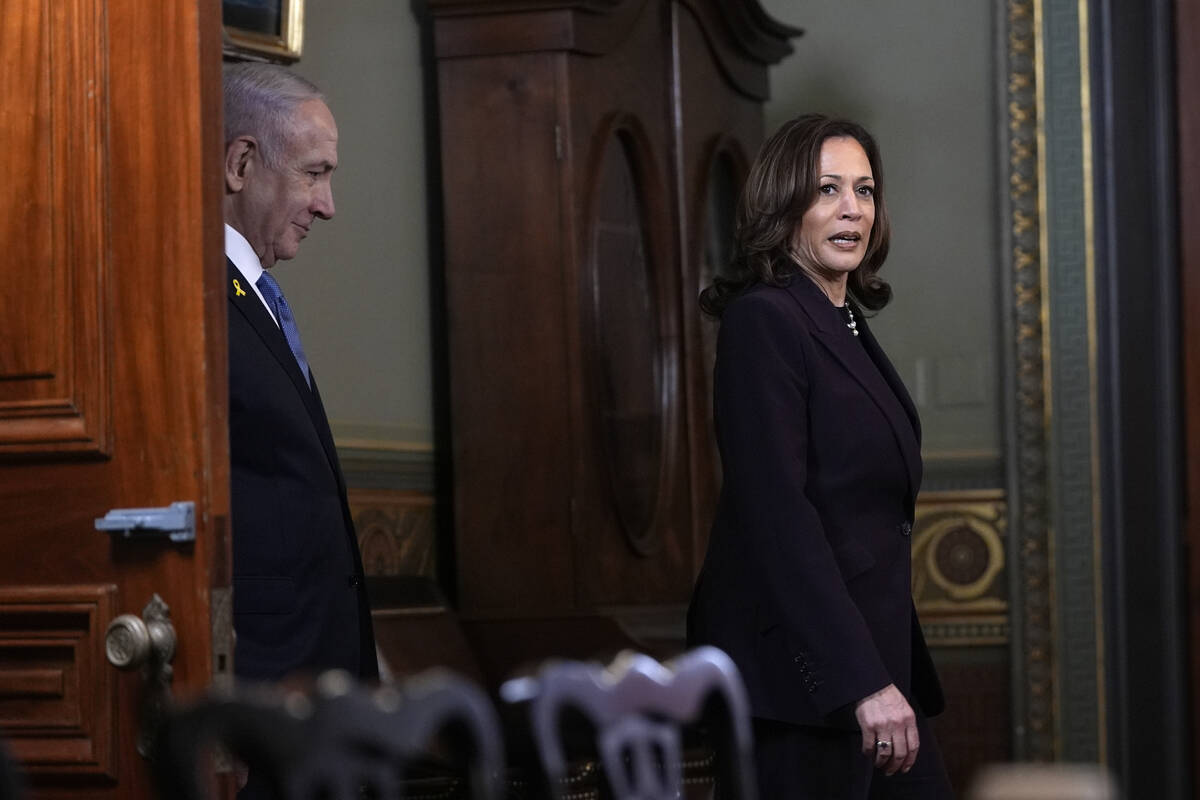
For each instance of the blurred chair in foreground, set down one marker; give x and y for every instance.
(1043, 782)
(634, 715)
(341, 741)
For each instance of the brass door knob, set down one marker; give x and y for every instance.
(131, 641)
(146, 642)
(127, 642)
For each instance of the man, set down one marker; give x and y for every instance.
(299, 597)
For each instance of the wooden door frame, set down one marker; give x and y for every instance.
(1187, 87)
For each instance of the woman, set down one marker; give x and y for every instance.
(806, 583)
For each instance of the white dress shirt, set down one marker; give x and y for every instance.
(239, 251)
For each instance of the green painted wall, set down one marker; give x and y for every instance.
(922, 77)
(360, 286)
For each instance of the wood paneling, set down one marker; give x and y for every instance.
(57, 693)
(576, 144)
(53, 221)
(504, 254)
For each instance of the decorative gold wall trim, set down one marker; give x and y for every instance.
(1058, 651)
(1085, 102)
(377, 459)
(1034, 648)
(385, 445)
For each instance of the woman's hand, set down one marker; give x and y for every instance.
(889, 729)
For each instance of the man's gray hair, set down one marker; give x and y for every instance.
(259, 101)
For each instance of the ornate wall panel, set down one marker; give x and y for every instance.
(395, 532)
(961, 588)
(53, 366)
(960, 575)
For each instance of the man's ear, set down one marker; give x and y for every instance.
(239, 158)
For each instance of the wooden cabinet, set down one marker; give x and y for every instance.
(591, 153)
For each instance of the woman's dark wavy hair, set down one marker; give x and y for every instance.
(782, 185)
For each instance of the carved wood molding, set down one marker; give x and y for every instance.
(58, 695)
(1034, 646)
(742, 40)
(737, 30)
(395, 532)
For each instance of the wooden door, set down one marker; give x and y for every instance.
(112, 370)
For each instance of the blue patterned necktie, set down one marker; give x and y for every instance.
(274, 297)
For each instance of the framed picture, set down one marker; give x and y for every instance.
(268, 30)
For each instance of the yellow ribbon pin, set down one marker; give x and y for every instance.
(238, 291)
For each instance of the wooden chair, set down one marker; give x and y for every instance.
(341, 741)
(636, 712)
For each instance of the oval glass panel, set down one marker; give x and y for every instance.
(627, 345)
(720, 207)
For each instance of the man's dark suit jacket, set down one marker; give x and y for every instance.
(806, 582)
(299, 597)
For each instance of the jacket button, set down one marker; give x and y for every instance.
(906, 528)
(353, 580)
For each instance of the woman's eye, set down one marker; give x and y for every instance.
(828, 188)
(866, 191)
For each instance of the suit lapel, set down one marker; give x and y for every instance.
(321, 421)
(889, 374)
(869, 366)
(245, 301)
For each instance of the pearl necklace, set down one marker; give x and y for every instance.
(852, 325)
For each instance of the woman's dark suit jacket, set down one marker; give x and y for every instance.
(806, 582)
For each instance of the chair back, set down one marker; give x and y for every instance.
(638, 708)
(341, 741)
